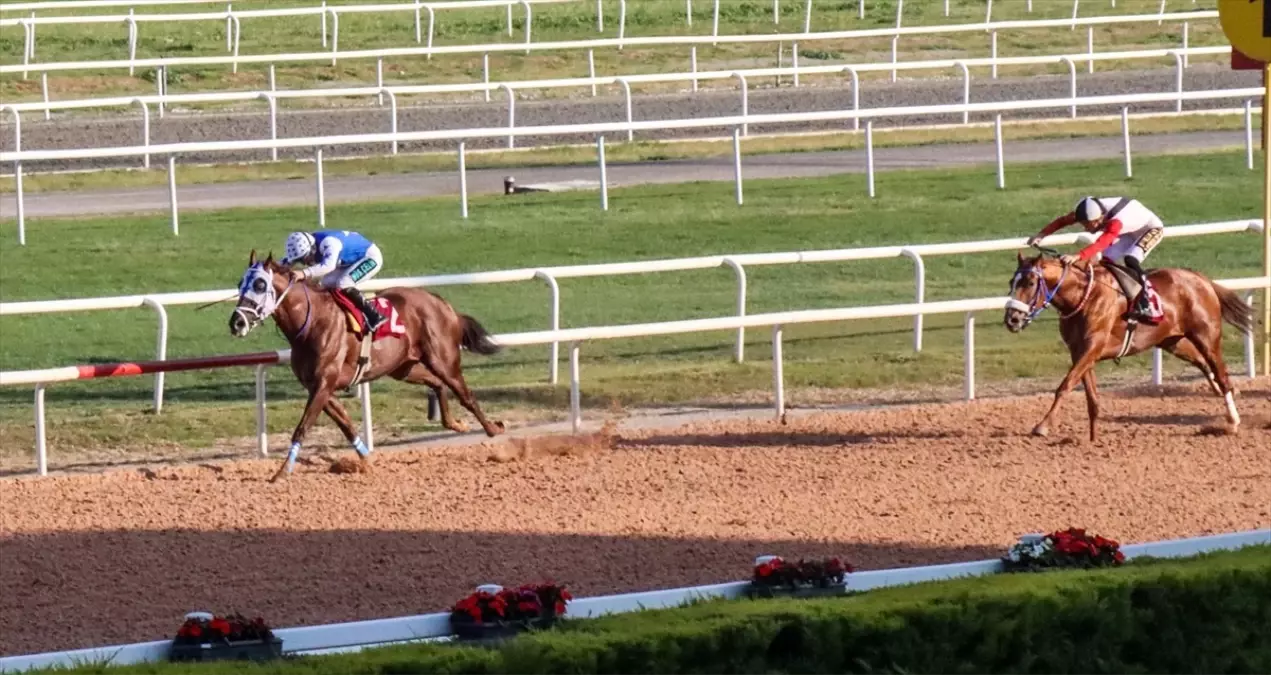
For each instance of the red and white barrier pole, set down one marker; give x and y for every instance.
(42, 378)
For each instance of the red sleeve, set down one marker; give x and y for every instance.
(1058, 224)
(1110, 234)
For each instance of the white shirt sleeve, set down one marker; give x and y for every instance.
(328, 258)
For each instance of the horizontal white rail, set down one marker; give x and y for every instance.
(315, 10)
(92, 4)
(630, 126)
(570, 45)
(578, 82)
(358, 635)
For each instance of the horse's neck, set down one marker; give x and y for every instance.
(1072, 288)
(300, 309)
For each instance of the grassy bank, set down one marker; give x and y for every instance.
(640, 151)
(110, 256)
(570, 21)
(1210, 613)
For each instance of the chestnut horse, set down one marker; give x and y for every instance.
(1091, 306)
(325, 352)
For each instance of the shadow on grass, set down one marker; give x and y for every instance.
(60, 585)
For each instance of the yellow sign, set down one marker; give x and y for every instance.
(1247, 24)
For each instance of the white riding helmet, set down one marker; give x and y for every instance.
(299, 245)
(1088, 209)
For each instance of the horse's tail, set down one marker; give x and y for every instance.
(475, 337)
(1235, 311)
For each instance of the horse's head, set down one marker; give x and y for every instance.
(1035, 283)
(259, 293)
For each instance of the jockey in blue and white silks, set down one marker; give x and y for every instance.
(338, 259)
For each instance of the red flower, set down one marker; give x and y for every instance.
(195, 631)
(219, 625)
(764, 570)
(1119, 557)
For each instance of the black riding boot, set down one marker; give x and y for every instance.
(373, 318)
(1142, 308)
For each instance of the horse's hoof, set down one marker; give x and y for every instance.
(1041, 431)
(498, 429)
(458, 427)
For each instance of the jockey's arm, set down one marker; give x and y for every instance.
(1110, 233)
(328, 258)
(1058, 224)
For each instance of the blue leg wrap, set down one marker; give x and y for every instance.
(291, 456)
(360, 446)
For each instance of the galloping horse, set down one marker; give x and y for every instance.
(419, 344)
(1091, 304)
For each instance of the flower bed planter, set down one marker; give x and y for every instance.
(204, 637)
(776, 578)
(241, 650)
(1065, 549)
(493, 613)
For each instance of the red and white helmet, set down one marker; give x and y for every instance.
(299, 246)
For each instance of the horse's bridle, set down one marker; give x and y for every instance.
(254, 316)
(1045, 294)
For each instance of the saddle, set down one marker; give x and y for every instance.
(355, 322)
(1131, 288)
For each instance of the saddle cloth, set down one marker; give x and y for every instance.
(1130, 287)
(357, 323)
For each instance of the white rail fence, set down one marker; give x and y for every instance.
(552, 276)
(740, 125)
(388, 95)
(359, 635)
(233, 21)
(692, 41)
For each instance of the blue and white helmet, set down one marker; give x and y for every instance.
(299, 246)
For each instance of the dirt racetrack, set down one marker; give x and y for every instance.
(119, 557)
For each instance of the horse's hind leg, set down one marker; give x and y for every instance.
(418, 373)
(335, 410)
(1211, 350)
(1184, 349)
(447, 368)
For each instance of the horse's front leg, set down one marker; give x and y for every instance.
(1084, 360)
(319, 395)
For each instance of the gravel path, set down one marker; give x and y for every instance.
(125, 128)
(650, 508)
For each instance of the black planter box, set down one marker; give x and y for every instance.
(245, 650)
(757, 591)
(473, 632)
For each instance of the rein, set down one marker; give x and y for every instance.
(1046, 294)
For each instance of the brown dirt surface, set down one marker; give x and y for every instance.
(116, 557)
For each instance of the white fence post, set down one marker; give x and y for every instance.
(575, 395)
(392, 120)
(432, 22)
(145, 130)
(692, 61)
(511, 113)
(920, 292)
(161, 350)
(1001, 154)
(262, 431)
(44, 93)
(622, 22)
(1178, 80)
(368, 431)
(174, 215)
(869, 155)
(273, 123)
(856, 95)
(778, 374)
(737, 162)
(1157, 367)
(600, 16)
(553, 309)
(41, 435)
(463, 181)
(20, 194)
(322, 192)
(968, 355)
(604, 173)
(715, 23)
(1072, 84)
(1251, 359)
(966, 91)
(1125, 140)
(739, 352)
(626, 94)
(1249, 134)
(1090, 48)
(745, 102)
